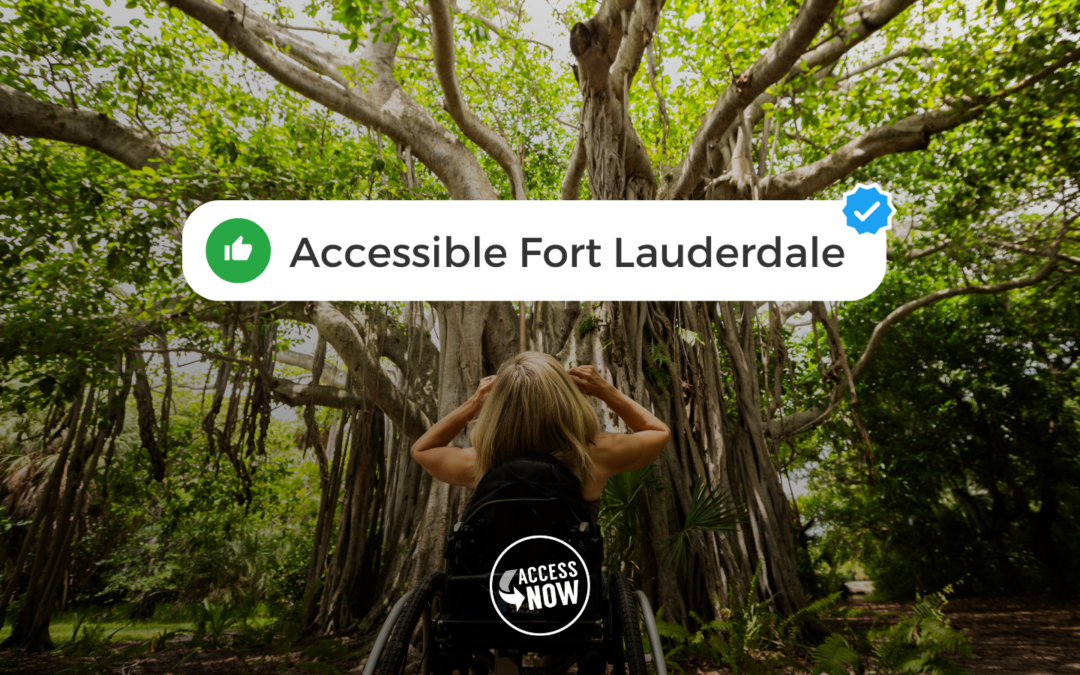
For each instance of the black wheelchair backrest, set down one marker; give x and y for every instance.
(521, 497)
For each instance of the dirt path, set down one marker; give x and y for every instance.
(1013, 635)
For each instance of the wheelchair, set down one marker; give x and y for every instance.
(527, 528)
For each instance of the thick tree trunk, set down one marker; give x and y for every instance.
(462, 366)
(729, 454)
(608, 49)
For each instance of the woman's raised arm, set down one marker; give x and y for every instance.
(616, 453)
(456, 466)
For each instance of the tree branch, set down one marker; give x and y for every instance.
(860, 25)
(294, 394)
(295, 47)
(876, 63)
(311, 29)
(909, 134)
(802, 420)
(632, 48)
(766, 71)
(383, 105)
(331, 374)
(486, 22)
(574, 171)
(24, 115)
(866, 21)
(344, 335)
(894, 255)
(1008, 245)
(442, 48)
(937, 296)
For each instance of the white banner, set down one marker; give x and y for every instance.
(424, 250)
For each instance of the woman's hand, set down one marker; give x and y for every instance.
(481, 393)
(588, 380)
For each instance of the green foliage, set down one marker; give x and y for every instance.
(711, 510)
(919, 643)
(836, 657)
(973, 404)
(285, 580)
(213, 620)
(92, 652)
(187, 538)
(322, 654)
(749, 637)
(91, 640)
(103, 659)
(659, 356)
(588, 323)
(689, 337)
(160, 640)
(976, 446)
(624, 516)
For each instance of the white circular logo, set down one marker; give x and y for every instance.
(539, 578)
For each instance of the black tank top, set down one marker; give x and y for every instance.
(594, 510)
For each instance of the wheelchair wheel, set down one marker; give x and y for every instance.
(627, 650)
(392, 661)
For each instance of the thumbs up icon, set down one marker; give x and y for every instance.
(239, 250)
(247, 251)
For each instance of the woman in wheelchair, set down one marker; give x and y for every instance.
(534, 408)
(539, 464)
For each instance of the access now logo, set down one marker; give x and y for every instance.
(238, 250)
(540, 581)
(543, 586)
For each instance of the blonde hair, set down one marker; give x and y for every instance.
(535, 409)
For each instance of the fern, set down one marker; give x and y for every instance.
(918, 644)
(623, 509)
(749, 636)
(790, 626)
(835, 657)
(690, 337)
(672, 631)
(675, 633)
(658, 353)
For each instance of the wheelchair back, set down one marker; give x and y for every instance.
(519, 608)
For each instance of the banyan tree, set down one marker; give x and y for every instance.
(120, 123)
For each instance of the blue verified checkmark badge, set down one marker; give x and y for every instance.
(868, 209)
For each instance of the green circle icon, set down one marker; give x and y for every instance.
(238, 250)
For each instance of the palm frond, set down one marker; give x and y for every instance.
(711, 510)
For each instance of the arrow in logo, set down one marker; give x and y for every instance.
(515, 598)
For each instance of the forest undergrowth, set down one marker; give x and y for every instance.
(833, 636)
